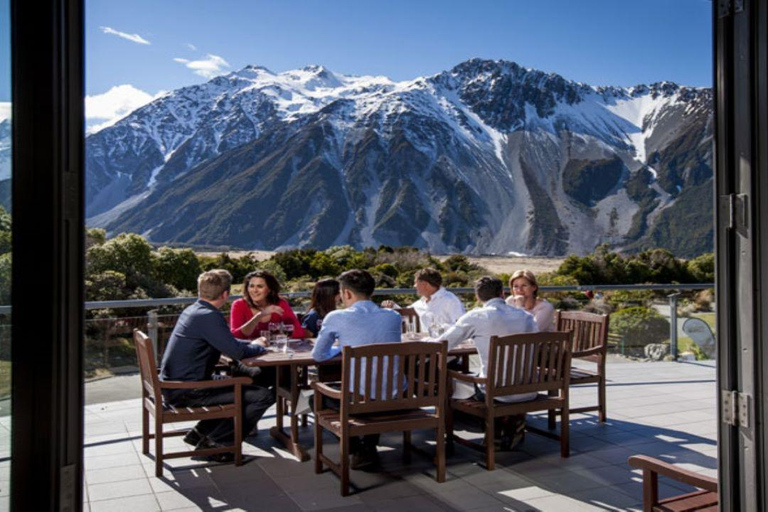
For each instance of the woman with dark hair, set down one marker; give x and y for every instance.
(261, 305)
(325, 296)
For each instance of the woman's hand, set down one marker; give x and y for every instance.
(518, 301)
(261, 341)
(388, 304)
(273, 310)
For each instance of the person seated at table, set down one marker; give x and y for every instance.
(436, 306)
(325, 296)
(199, 338)
(261, 305)
(362, 322)
(493, 318)
(523, 295)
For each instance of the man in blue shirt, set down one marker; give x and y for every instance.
(361, 323)
(199, 338)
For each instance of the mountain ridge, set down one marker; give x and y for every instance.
(487, 157)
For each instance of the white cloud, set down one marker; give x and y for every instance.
(113, 105)
(211, 66)
(192, 47)
(5, 110)
(136, 38)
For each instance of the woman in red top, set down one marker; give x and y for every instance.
(260, 306)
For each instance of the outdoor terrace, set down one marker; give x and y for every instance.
(663, 409)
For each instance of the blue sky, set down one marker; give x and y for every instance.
(160, 45)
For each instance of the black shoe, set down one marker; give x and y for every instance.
(205, 444)
(367, 458)
(193, 437)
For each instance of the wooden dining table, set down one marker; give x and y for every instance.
(292, 377)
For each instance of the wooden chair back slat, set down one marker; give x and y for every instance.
(147, 366)
(380, 391)
(409, 315)
(590, 330)
(421, 361)
(358, 366)
(539, 361)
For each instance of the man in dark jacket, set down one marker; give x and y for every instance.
(199, 338)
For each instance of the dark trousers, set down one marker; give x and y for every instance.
(256, 400)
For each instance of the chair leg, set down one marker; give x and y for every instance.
(449, 427)
(238, 419)
(551, 415)
(344, 462)
(565, 423)
(144, 430)
(602, 414)
(318, 447)
(158, 446)
(490, 452)
(440, 446)
(406, 446)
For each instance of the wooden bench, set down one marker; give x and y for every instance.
(704, 500)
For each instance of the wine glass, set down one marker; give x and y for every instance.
(288, 329)
(274, 328)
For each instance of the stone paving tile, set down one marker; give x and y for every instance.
(112, 490)
(533, 477)
(116, 474)
(143, 503)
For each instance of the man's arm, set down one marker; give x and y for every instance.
(324, 348)
(461, 331)
(214, 330)
(455, 308)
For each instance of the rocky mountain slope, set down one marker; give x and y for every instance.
(487, 158)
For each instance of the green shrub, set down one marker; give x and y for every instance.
(177, 267)
(639, 326)
(702, 268)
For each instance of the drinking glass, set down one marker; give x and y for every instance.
(288, 330)
(281, 343)
(274, 328)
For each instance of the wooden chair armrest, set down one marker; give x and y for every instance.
(204, 384)
(466, 377)
(590, 352)
(668, 470)
(325, 389)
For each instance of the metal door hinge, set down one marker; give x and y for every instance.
(723, 8)
(735, 408)
(736, 209)
(726, 8)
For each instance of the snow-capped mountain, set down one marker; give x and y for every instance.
(488, 157)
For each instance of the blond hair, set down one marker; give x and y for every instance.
(213, 283)
(527, 274)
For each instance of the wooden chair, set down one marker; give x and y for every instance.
(518, 363)
(704, 500)
(590, 342)
(420, 366)
(409, 315)
(151, 391)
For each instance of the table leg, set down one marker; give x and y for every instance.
(289, 393)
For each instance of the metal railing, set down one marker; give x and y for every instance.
(109, 345)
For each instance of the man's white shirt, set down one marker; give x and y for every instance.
(494, 318)
(444, 307)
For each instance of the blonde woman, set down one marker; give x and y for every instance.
(523, 291)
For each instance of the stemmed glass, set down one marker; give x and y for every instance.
(288, 329)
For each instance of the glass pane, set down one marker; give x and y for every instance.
(5, 254)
